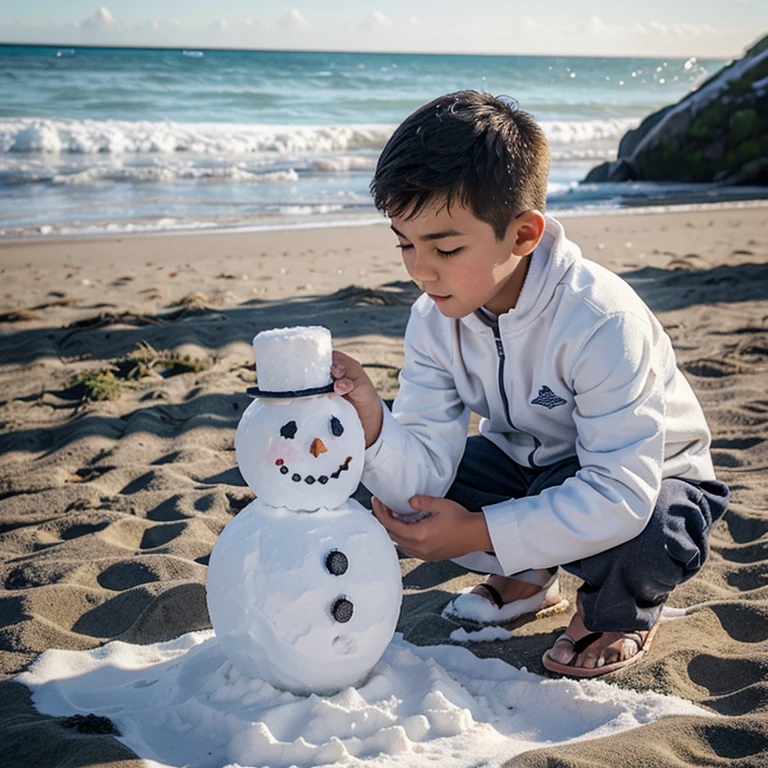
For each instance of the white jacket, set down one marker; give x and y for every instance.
(580, 367)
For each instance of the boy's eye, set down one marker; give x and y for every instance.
(403, 246)
(337, 429)
(288, 431)
(448, 253)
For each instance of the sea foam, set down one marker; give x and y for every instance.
(29, 135)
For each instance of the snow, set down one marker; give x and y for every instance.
(307, 601)
(182, 703)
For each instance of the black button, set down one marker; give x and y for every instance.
(342, 610)
(337, 562)
(309, 479)
(296, 477)
(322, 479)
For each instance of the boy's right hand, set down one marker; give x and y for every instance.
(352, 382)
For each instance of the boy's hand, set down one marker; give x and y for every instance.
(450, 530)
(352, 382)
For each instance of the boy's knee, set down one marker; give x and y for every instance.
(680, 527)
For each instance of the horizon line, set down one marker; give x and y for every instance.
(211, 49)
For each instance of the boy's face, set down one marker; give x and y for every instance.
(456, 259)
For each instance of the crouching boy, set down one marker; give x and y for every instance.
(593, 452)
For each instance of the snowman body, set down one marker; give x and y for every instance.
(304, 585)
(307, 601)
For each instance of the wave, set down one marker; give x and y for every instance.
(167, 175)
(561, 132)
(26, 136)
(29, 135)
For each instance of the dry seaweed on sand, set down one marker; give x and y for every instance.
(144, 361)
(32, 313)
(192, 301)
(98, 385)
(390, 295)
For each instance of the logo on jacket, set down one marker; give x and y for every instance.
(548, 399)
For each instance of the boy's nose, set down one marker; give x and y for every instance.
(317, 447)
(421, 271)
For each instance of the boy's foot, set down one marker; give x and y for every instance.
(500, 599)
(581, 653)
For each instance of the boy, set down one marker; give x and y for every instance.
(593, 452)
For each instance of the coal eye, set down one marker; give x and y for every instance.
(336, 428)
(288, 430)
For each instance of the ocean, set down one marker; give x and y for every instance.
(108, 140)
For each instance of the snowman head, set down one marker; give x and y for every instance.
(298, 444)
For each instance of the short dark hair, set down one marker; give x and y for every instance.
(470, 147)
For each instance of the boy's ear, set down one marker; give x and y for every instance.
(529, 229)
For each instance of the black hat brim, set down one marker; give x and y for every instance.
(285, 395)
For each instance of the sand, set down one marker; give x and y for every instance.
(109, 508)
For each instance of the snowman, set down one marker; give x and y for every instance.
(304, 585)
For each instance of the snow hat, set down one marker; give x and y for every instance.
(293, 362)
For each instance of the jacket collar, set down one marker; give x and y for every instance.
(553, 257)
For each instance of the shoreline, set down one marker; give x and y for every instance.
(691, 204)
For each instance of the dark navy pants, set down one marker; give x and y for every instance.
(626, 586)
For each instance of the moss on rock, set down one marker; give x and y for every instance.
(712, 133)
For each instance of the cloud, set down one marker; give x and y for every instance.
(221, 25)
(536, 33)
(683, 30)
(102, 19)
(293, 20)
(534, 26)
(377, 20)
(652, 36)
(597, 26)
(166, 28)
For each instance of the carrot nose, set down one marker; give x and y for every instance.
(317, 447)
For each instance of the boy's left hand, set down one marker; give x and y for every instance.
(450, 530)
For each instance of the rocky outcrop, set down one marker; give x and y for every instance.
(718, 133)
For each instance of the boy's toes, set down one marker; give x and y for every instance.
(623, 649)
(562, 651)
(609, 649)
(591, 660)
(581, 653)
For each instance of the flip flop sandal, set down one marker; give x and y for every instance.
(478, 610)
(579, 646)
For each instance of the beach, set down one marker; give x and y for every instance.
(109, 507)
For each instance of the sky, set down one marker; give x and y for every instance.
(704, 28)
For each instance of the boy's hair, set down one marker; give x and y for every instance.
(470, 147)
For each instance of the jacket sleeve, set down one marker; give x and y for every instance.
(422, 440)
(618, 382)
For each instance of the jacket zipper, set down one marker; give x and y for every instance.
(502, 358)
(503, 391)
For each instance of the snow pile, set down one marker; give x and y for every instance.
(182, 703)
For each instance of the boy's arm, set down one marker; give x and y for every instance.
(618, 381)
(417, 446)
(450, 530)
